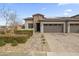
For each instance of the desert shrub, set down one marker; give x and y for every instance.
(43, 42)
(14, 43)
(2, 42)
(42, 36)
(43, 39)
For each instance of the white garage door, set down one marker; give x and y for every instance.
(55, 28)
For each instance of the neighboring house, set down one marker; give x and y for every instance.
(2, 28)
(52, 25)
(18, 27)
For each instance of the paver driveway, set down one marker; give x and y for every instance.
(63, 43)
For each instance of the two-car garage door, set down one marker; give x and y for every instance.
(55, 28)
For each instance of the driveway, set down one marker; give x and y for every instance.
(62, 42)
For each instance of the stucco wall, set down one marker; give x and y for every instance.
(26, 24)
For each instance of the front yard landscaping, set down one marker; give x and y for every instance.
(20, 36)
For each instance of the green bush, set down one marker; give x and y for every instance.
(2, 42)
(7, 39)
(20, 39)
(25, 35)
(30, 32)
(14, 43)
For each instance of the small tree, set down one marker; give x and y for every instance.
(10, 17)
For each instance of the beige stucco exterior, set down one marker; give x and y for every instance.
(26, 24)
(38, 18)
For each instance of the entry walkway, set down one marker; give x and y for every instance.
(35, 43)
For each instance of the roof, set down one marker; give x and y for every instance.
(73, 18)
(38, 14)
(76, 16)
(60, 19)
(28, 18)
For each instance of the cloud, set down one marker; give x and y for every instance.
(62, 4)
(67, 12)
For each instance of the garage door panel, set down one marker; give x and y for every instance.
(53, 28)
(74, 28)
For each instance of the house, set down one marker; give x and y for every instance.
(40, 23)
(19, 27)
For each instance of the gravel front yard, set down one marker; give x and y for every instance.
(32, 47)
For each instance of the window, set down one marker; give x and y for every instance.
(30, 25)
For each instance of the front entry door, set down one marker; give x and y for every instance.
(38, 27)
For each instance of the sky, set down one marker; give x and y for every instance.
(24, 10)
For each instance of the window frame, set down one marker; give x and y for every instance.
(30, 25)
